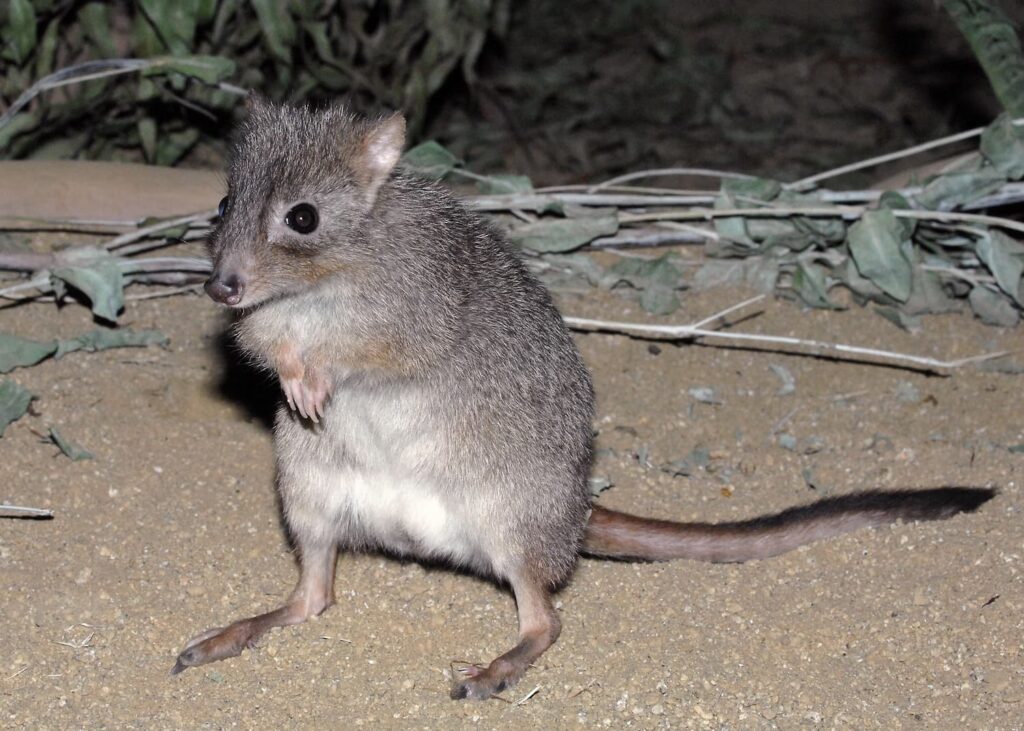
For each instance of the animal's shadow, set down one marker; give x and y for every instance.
(243, 383)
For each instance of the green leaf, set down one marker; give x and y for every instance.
(21, 29)
(996, 251)
(641, 272)
(894, 201)
(874, 243)
(95, 21)
(928, 296)
(760, 273)
(659, 300)
(70, 449)
(47, 52)
(171, 147)
(321, 42)
(953, 190)
(14, 401)
(146, 41)
(813, 228)
(657, 279)
(781, 230)
(226, 11)
(899, 318)
(563, 234)
(17, 352)
(104, 339)
(863, 289)
(205, 11)
(732, 229)
(208, 69)
(1002, 143)
(147, 137)
(174, 22)
(504, 184)
(994, 40)
(278, 27)
(430, 160)
(992, 307)
(101, 281)
(23, 122)
(762, 189)
(811, 285)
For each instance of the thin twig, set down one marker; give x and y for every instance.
(698, 231)
(538, 202)
(28, 512)
(813, 180)
(142, 233)
(643, 189)
(26, 261)
(85, 225)
(720, 316)
(672, 238)
(528, 696)
(190, 289)
(845, 212)
(90, 71)
(959, 274)
(41, 282)
(694, 332)
(73, 75)
(540, 199)
(19, 672)
(783, 421)
(666, 172)
(165, 264)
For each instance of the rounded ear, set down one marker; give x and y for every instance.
(380, 150)
(382, 146)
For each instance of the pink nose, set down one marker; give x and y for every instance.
(227, 290)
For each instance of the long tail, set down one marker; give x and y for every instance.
(611, 534)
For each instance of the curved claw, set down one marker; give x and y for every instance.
(307, 395)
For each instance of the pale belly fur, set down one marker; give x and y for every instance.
(395, 497)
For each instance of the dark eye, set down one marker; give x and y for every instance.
(222, 206)
(302, 218)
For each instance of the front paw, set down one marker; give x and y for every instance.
(308, 395)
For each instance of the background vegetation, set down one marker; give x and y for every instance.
(392, 53)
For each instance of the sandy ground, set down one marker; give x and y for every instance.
(174, 528)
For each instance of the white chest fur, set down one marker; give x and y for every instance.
(374, 473)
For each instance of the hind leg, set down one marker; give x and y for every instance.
(539, 627)
(313, 594)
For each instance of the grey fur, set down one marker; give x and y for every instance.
(487, 399)
(456, 411)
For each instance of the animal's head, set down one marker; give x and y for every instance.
(301, 183)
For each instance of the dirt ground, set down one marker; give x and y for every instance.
(174, 528)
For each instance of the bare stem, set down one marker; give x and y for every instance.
(666, 172)
(26, 512)
(813, 180)
(132, 236)
(697, 331)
